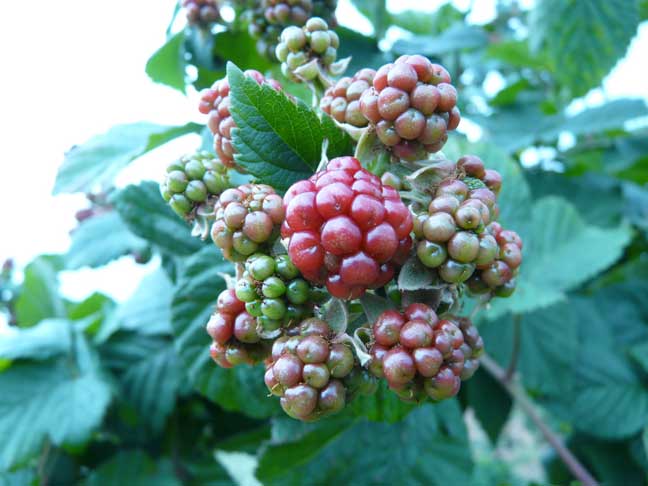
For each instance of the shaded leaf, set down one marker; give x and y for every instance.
(458, 37)
(94, 164)
(137, 467)
(167, 65)
(39, 298)
(48, 338)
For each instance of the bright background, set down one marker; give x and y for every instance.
(77, 68)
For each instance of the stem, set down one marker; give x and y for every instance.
(42, 463)
(515, 354)
(525, 403)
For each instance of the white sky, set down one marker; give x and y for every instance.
(73, 68)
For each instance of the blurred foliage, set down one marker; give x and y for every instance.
(98, 392)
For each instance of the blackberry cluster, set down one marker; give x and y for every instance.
(248, 219)
(498, 277)
(451, 234)
(201, 13)
(412, 106)
(215, 102)
(306, 370)
(193, 180)
(346, 229)
(270, 17)
(342, 100)
(234, 333)
(274, 293)
(423, 356)
(305, 52)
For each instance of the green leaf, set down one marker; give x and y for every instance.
(374, 305)
(457, 38)
(278, 141)
(94, 165)
(427, 22)
(39, 298)
(241, 388)
(167, 65)
(149, 372)
(561, 252)
(240, 48)
(135, 466)
(584, 40)
(22, 477)
(382, 406)
(517, 54)
(336, 314)
(363, 50)
(148, 310)
(640, 353)
(240, 466)
(58, 399)
(416, 276)
(429, 447)
(46, 339)
(101, 239)
(145, 213)
(491, 403)
(376, 13)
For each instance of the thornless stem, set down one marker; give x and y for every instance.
(519, 395)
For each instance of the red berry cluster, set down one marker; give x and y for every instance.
(215, 102)
(498, 276)
(412, 106)
(342, 100)
(346, 229)
(247, 217)
(201, 12)
(306, 371)
(234, 333)
(421, 355)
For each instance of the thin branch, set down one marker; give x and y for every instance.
(519, 395)
(515, 354)
(43, 475)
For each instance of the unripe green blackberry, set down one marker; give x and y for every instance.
(236, 339)
(275, 293)
(305, 52)
(215, 103)
(308, 371)
(421, 355)
(412, 105)
(193, 180)
(342, 100)
(247, 218)
(453, 234)
(201, 13)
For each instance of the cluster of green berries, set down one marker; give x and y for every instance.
(201, 13)
(307, 370)
(215, 102)
(270, 17)
(412, 106)
(421, 355)
(193, 180)
(498, 277)
(234, 333)
(455, 233)
(305, 52)
(342, 100)
(248, 219)
(275, 293)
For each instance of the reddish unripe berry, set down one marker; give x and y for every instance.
(402, 76)
(488, 250)
(387, 134)
(425, 99)
(367, 211)
(332, 398)
(431, 254)
(217, 352)
(484, 212)
(288, 370)
(340, 360)
(421, 311)
(454, 118)
(498, 273)
(258, 226)
(444, 385)
(485, 195)
(493, 180)
(380, 80)
(228, 302)
(341, 236)
(454, 188)
(456, 272)
(301, 213)
(511, 255)
(314, 327)
(435, 131)
(387, 328)
(410, 124)
(427, 360)
(271, 382)
(306, 252)
(392, 102)
(375, 367)
(472, 166)
(398, 367)
(439, 227)
(381, 242)
(416, 334)
(443, 204)
(369, 106)
(299, 401)
(316, 375)
(438, 74)
(220, 327)
(509, 236)
(469, 368)
(278, 347)
(334, 200)
(245, 328)
(359, 269)
(463, 246)
(313, 349)
(468, 217)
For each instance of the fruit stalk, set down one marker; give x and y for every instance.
(519, 395)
